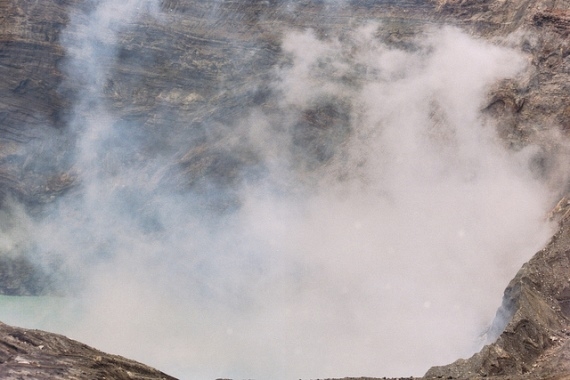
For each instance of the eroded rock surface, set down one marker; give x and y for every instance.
(208, 62)
(33, 354)
(535, 315)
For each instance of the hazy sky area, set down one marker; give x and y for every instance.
(379, 248)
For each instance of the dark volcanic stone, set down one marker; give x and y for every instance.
(33, 354)
(534, 313)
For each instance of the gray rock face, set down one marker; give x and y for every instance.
(32, 354)
(208, 63)
(534, 342)
(188, 65)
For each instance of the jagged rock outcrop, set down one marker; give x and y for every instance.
(33, 354)
(535, 316)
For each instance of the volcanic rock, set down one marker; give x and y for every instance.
(33, 354)
(35, 102)
(533, 322)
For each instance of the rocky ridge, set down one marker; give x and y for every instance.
(533, 321)
(33, 354)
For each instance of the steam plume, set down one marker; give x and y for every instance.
(375, 242)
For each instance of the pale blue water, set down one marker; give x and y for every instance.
(54, 314)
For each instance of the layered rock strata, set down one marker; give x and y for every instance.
(33, 354)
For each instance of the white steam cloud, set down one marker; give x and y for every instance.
(376, 246)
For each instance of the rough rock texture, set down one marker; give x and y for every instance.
(534, 314)
(18, 276)
(535, 340)
(33, 354)
(189, 66)
(199, 46)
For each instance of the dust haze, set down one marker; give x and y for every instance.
(374, 242)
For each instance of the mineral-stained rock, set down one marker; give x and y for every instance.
(33, 354)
